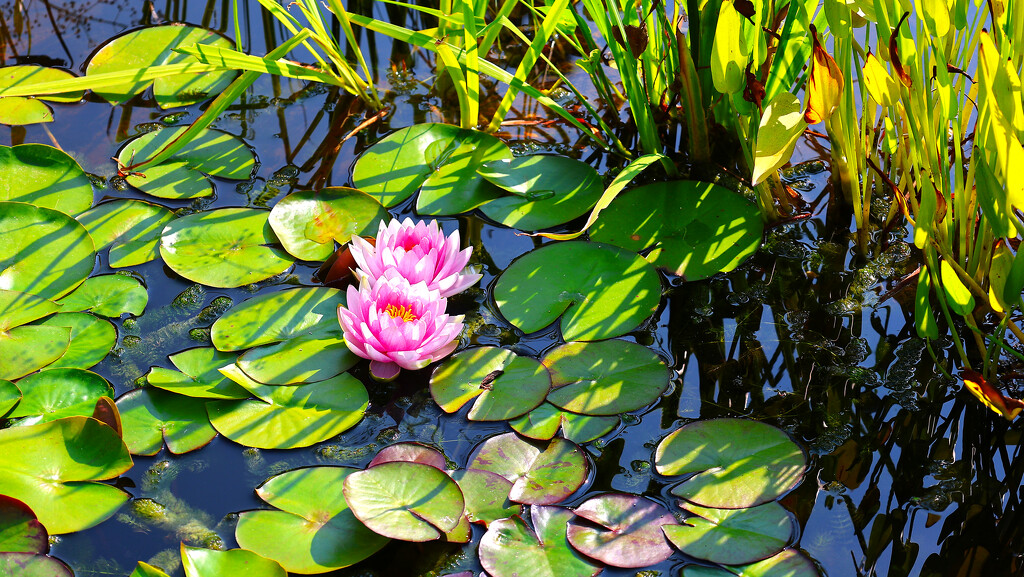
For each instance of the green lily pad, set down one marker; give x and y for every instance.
(438, 159)
(181, 176)
(92, 339)
(705, 571)
(146, 570)
(541, 474)
(547, 190)
(408, 501)
(303, 359)
(45, 177)
(738, 463)
(131, 228)
(19, 110)
(410, 453)
(153, 46)
(108, 295)
(226, 247)
(605, 378)
(788, 563)
(511, 549)
(18, 308)
(199, 375)
(32, 565)
(45, 252)
(698, 228)
(600, 291)
(314, 531)
(152, 417)
(28, 348)
(199, 562)
(20, 531)
(733, 536)
(286, 417)
(279, 316)
(56, 393)
(310, 222)
(486, 496)
(22, 111)
(503, 384)
(10, 394)
(543, 423)
(57, 482)
(623, 530)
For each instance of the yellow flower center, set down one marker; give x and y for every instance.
(401, 313)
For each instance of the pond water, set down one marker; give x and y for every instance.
(908, 475)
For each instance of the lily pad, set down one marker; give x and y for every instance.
(108, 295)
(10, 394)
(22, 111)
(599, 291)
(45, 177)
(279, 316)
(56, 393)
(408, 501)
(20, 531)
(57, 482)
(605, 378)
(697, 229)
(486, 496)
(623, 530)
(92, 339)
(286, 417)
(143, 569)
(199, 562)
(18, 308)
(438, 159)
(410, 453)
(28, 348)
(503, 384)
(733, 536)
(19, 110)
(544, 422)
(226, 247)
(210, 152)
(314, 531)
(511, 549)
(547, 190)
(45, 252)
(152, 417)
(738, 463)
(541, 474)
(310, 222)
(131, 228)
(199, 375)
(153, 46)
(303, 359)
(32, 565)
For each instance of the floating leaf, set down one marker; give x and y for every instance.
(200, 562)
(697, 229)
(543, 423)
(108, 295)
(310, 222)
(45, 177)
(147, 570)
(623, 530)
(91, 339)
(45, 252)
(504, 385)
(18, 308)
(286, 417)
(152, 417)
(605, 378)
(17, 110)
(279, 316)
(153, 46)
(408, 501)
(22, 111)
(20, 531)
(738, 463)
(486, 496)
(439, 159)
(314, 531)
(781, 125)
(600, 291)
(511, 549)
(200, 375)
(788, 563)
(541, 474)
(68, 454)
(227, 247)
(410, 453)
(547, 190)
(32, 565)
(733, 536)
(10, 394)
(28, 348)
(303, 359)
(56, 393)
(131, 228)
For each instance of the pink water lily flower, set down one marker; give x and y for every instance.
(419, 252)
(397, 325)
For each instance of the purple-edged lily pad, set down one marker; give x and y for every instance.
(738, 462)
(621, 530)
(511, 549)
(32, 565)
(733, 536)
(605, 378)
(486, 496)
(541, 474)
(410, 453)
(543, 423)
(20, 531)
(504, 385)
